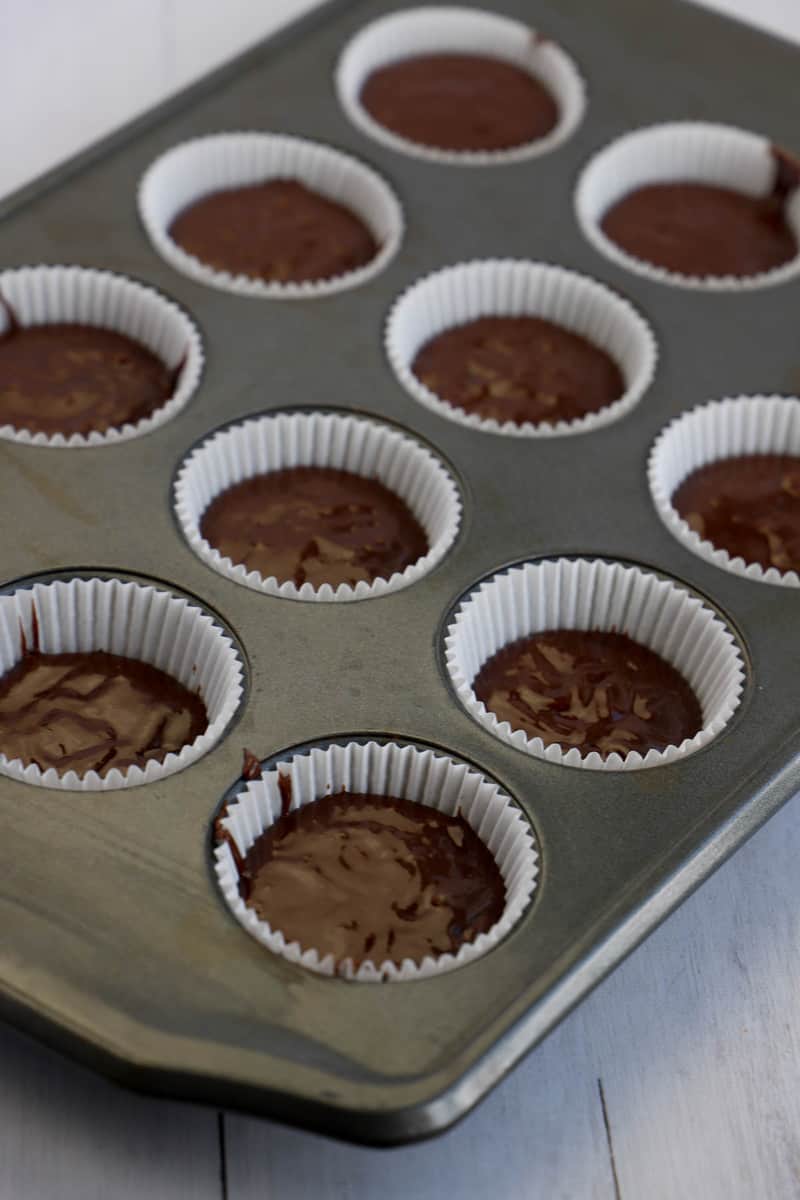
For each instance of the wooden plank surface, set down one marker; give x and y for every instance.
(66, 1134)
(541, 1134)
(699, 1036)
(678, 1077)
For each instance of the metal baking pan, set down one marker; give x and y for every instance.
(115, 945)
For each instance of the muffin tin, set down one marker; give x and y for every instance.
(117, 946)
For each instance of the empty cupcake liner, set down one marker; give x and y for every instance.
(134, 621)
(47, 295)
(685, 152)
(322, 439)
(196, 168)
(510, 288)
(723, 429)
(442, 30)
(405, 772)
(597, 595)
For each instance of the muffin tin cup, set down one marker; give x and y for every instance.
(134, 621)
(682, 152)
(443, 30)
(404, 772)
(597, 595)
(723, 429)
(222, 161)
(46, 295)
(515, 288)
(321, 439)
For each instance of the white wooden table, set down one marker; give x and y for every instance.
(678, 1078)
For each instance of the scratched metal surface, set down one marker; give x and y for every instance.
(115, 945)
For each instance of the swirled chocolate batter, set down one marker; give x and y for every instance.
(279, 231)
(94, 712)
(590, 689)
(518, 369)
(749, 506)
(696, 229)
(69, 379)
(460, 102)
(314, 525)
(373, 878)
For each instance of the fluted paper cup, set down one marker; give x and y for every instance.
(723, 429)
(452, 30)
(49, 295)
(511, 288)
(195, 169)
(597, 595)
(403, 772)
(131, 620)
(320, 439)
(682, 152)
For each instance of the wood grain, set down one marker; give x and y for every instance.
(541, 1134)
(66, 1134)
(698, 1036)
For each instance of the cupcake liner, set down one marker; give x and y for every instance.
(510, 288)
(196, 168)
(435, 30)
(46, 295)
(593, 594)
(321, 439)
(404, 772)
(134, 621)
(723, 429)
(685, 152)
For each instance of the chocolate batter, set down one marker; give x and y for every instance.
(460, 102)
(373, 878)
(94, 711)
(69, 379)
(597, 691)
(279, 231)
(749, 506)
(518, 369)
(314, 525)
(696, 229)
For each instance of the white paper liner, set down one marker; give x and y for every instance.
(511, 288)
(320, 439)
(723, 429)
(452, 30)
(134, 621)
(196, 168)
(406, 773)
(46, 295)
(598, 595)
(685, 152)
